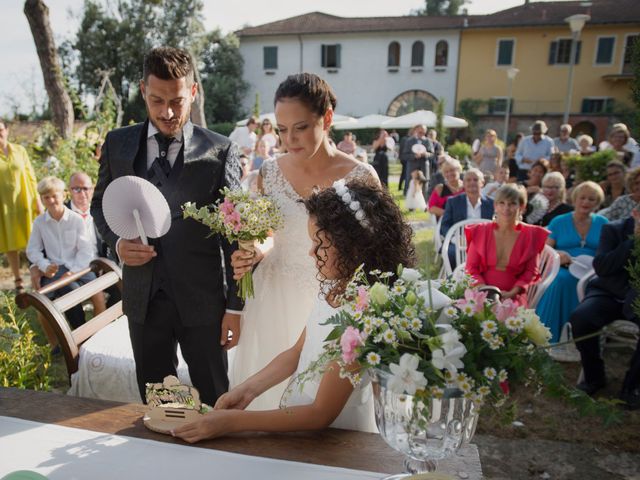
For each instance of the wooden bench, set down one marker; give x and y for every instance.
(51, 312)
(98, 354)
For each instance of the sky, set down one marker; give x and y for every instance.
(21, 82)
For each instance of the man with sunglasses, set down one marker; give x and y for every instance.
(532, 148)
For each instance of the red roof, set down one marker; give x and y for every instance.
(535, 14)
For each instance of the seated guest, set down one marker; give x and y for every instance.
(468, 205)
(511, 157)
(501, 177)
(585, 142)
(619, 141)
(572, 234)
(568, 173)
(533, 184)
(505, 253)
(452, 185)
(621, 207)
(614, 186)
(553, 188)
(609, 297)
(59, 244)
(564, 143)
(436, 177)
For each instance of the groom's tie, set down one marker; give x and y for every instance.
(163, 151)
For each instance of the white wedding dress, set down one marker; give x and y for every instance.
(285, 288)
(358, 413)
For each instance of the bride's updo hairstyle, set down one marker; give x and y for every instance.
(309, 89)
(380, 239)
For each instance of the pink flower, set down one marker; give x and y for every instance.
(363, 299)
(505, 387)
(505, 310)
(473, 298)
(349, 341)
(227, 207)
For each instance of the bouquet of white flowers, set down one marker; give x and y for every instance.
(241, 217)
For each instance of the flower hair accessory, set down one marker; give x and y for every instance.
(349, 199)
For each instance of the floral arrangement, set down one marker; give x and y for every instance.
(433, 337)
(241, 217)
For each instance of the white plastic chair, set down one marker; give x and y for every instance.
(549, 267)
(456, 236)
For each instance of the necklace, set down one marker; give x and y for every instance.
(582, 223)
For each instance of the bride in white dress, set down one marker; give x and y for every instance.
(341, 239)
(285, 279)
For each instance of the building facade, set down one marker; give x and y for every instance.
(536, 39)
(389, 66)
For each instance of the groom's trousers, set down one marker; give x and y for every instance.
(155, 343)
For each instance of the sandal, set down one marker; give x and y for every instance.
(19, 286)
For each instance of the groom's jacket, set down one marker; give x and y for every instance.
(188, 265)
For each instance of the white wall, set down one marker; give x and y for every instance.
(363, 84)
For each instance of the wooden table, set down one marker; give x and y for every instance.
(332, 447)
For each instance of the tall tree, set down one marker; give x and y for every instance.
(635, 85)
(222, 78)
(37, 14)
(434, 8)
(117, 37)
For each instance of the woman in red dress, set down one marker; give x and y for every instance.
(505, 253)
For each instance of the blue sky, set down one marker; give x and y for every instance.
(21, 79)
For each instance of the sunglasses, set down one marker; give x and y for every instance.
(81, 189)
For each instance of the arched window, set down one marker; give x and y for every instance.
(410, 101)
(442, 53)
(393, 59)
(417, 54)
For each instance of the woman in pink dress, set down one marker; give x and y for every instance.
(452, 185)
(505, 253)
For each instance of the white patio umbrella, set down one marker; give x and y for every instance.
(368, 121)
(419, 117)
(337, 118)
(454, 122)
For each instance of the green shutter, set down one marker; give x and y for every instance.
(553, 49)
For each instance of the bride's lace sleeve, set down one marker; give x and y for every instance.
(363, 171)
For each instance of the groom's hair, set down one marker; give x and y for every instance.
(168, 63)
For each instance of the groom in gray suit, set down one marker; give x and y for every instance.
(174, 288)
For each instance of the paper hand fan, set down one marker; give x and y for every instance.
(133, 207)
(580, 265)
(419, 149)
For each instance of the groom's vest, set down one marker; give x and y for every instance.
(160, 279)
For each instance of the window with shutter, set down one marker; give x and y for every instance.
(270, 58)
(505, 52)
(393, 56)
(417, 54)
(604, 52)
(330, 57)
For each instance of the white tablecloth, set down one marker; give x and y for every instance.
(69, 453)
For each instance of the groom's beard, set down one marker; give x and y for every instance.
(172, 127)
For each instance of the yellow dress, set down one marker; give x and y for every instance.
(18, 198)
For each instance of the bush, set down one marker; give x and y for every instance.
(23, 363)
(222, 128)
(460, 150)
(591, 167)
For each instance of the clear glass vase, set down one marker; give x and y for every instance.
(424, 432)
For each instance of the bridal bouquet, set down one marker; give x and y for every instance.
(433, 337)
(240, 217)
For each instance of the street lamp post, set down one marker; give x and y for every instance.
(576, 23)
(511, 75)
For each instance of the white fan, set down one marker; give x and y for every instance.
(419, 149)
(134, 207)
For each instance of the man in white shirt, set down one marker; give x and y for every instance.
(533, 148)
(59, 245)
(246, 136)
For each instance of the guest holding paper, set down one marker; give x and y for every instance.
(572, 234)
(175, 290)
(505, 253)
